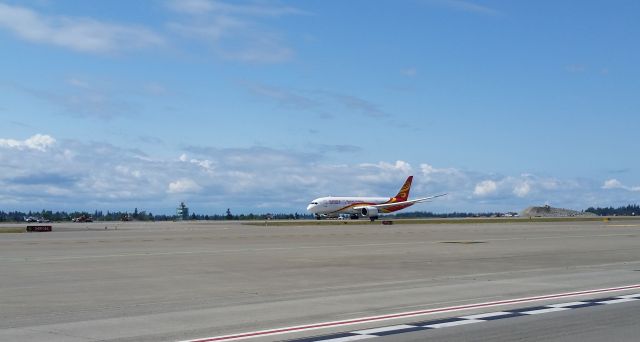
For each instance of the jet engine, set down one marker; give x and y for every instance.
(371, 212)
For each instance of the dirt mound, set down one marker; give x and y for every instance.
(547, 211)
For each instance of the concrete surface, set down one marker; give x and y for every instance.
(170, 281)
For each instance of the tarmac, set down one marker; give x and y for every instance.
(137, 281)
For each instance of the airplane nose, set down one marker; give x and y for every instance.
(309, 207)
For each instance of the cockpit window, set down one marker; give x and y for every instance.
(314, 203)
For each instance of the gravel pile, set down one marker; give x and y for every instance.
(547, 211)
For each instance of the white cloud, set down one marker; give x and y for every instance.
(525, 186)
(612, 184)
(206, 6)
(320, 102)
(82, 175)
(431, 180)
(267, 49)
(357, 104)
(399, 165)
(183, 186)
(430, 171)
(190, 6)
(485, 188)
(235, 32)
(212, 31)
(93, 175)
(616, 184)
(81, 99)
(522, 189)
(76, 33)
(40, 142)
(127, 171)
(204, 163)
(283, 97)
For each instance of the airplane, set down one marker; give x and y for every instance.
(371, 207)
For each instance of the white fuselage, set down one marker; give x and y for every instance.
(333, 206)
(370, 207)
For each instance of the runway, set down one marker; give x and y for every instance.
(425, 327)
(601, 323)
(181, 281)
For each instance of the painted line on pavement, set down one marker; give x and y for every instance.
(334, 324)
(464, 320)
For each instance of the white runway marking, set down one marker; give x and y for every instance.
(636, 295)
(464, 320)
(453, 324)
(564, 305)
(350, 338)
(542, 311)
(383, 329)
(616, 301)
(334, 324)
(487, 315)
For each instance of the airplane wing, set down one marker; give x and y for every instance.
(393, 204)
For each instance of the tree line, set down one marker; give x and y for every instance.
(629, 210)
(99, 215)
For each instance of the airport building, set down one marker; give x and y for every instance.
(182, 212)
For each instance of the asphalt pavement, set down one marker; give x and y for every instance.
(186, 280)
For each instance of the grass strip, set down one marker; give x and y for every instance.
(12, 230)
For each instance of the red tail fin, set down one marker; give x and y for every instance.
(403, 194)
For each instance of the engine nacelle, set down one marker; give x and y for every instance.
(369, 212)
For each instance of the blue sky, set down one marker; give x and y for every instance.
(261, 106)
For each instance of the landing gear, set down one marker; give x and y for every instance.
(318, 217)
(354, 216)
(373, 218)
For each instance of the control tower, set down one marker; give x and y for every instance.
(182, 212)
